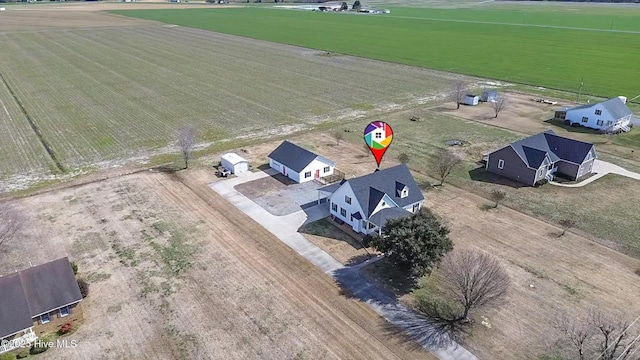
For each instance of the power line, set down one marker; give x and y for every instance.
(619, 337)
(628, 347)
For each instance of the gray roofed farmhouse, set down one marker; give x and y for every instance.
(611, 115)
(367, 202)
(542, 157)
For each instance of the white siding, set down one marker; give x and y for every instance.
(338, 197)
(316, 165)
(575, 116)
(388, 202)
(284, 170)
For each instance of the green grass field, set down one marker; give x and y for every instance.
(534, 47)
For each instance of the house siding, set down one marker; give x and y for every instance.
(314, 166)
(338, 198)
(514, 168)
(586, 168)
(575, 116)
(75, 315)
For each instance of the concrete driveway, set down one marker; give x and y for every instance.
(602, 168)
(348, 277)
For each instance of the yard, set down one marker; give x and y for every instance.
(570, 273)
(344, 246)
(175, 272)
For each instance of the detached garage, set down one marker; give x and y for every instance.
(234, 163)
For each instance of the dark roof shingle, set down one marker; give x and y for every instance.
(533, 149)
(14, 309)
(293, 156)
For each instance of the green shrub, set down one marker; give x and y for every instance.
(22, 354)
(74, 267)
(7, 356)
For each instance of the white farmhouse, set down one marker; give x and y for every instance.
(299, 164)
(367, 202)
(611, 115)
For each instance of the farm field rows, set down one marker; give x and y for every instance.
(103, 96)
(175, 272)
(477, 42)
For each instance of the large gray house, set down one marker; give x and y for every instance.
(541, 157)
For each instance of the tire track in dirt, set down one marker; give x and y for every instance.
(350, 325)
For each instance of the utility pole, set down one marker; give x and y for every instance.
(580, 91)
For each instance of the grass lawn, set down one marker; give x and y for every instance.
(335, 241)
(606, 208)
(515, 46)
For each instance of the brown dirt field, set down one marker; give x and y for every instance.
(38, 17)
(525, 116)
(241, 293)
(570, 274)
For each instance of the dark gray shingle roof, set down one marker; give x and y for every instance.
(533, 149)
(368, 188)
(293, 156)
(50, 286)
(34, 291)
(380, 218)
(14, 309)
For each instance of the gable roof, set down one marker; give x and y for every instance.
(14, 309)
(380, 218)
(615, 106)
(34, 291)
(532, 150)
(294, 157)
(370, 189)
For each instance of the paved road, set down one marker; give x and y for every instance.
(349, 277)
(602, 168)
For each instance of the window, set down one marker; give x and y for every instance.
(585, 119)
(307, 174)
(64, 311)
(541, 171)
(351, 218)
(326, 169)
(500, 164)
(609, 122)
(334, 207)
(347, 199)
(600, 122)
(45, 318)
(598, 112)
(343, 212)
(371, 226)
(416, 207)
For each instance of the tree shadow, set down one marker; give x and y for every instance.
(573, 129)
(482, 175)
(168, 168)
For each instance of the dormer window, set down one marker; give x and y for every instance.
(404, 193)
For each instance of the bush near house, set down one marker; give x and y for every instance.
(65, 329)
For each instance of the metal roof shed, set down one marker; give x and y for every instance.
(234, 163)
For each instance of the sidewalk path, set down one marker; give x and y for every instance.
(602, 168)
(349, 277)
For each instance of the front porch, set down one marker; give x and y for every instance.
(15, 342)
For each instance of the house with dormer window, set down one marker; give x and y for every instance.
(367, 202)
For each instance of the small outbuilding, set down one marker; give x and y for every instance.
(234, 163)
(470, 99)
(489, 95)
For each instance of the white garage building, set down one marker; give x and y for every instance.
(234, 163)
(299, 164)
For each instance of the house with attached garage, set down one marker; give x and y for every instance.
(611, 115)
(299, 164)
(37, 300)
(367, 202)
(542, 157)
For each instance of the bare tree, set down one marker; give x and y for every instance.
(447, 161)
(577, 332)
(338, 135)
(186, 139)
(566, 225)
(598, 335)
(476, 279)
(498, 104)
(460, 89)
(403, 158)
(11, 221)
(497, 196)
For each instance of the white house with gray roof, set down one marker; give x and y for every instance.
(367, 202)
(299, 164)
(612, 115)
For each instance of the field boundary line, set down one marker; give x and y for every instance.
(34, 127)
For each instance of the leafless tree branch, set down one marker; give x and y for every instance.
(498, 104)
(460, 89)
(186, 140)
(11, 221)
(446, 161)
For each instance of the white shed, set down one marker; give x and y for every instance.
(234, 163)
(471, 100)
